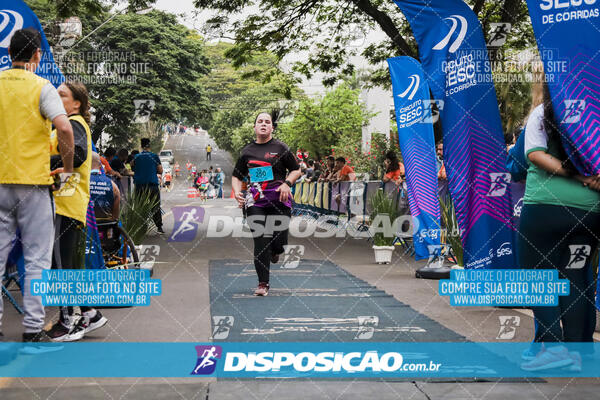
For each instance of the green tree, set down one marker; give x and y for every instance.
(328, 32)
(232, 124)
(226, 82)
(127, 57)
(321, 123)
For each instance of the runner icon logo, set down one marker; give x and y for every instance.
(207, 359)
(573, 111)
(508, 327)
(143, 110)
(498, 184)
(221, 326)
(498, 33)
(148, 255)
(186, 223)
(68, 184)
(292, 256)
(366, 327)
(579, 255)
(431, 113)
(436, 255)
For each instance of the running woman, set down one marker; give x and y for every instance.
(266, 161)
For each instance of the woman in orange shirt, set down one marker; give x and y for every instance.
(394, 169)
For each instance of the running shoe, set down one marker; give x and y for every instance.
(576, 366)
(77, 332)
(62, 333)
(94, 322)
(553, 357)
(160, 230)
(262, 289)
(38, 343)
(533, 350)
(528, 354)
(59, 331)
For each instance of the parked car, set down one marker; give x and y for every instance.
(167, 155)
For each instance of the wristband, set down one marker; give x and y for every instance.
(290, 184)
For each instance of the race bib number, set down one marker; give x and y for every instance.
(261, 174)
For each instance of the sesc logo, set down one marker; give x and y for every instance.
(10, 21)
(207, 359)
(456, 20)
(504, 250)
(517, 208)
(415, 81)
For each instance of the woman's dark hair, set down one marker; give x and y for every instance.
(394, 162)
(80, 93)
(553, 130)
(274, 116)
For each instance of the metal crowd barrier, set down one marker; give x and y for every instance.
(346, 203)
(343, 198)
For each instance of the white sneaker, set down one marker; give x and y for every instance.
(576, 366)
(553, 357)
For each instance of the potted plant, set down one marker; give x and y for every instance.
(382, 205)
(136, 215)
(452, 230)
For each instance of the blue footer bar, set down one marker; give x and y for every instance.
(299, 360)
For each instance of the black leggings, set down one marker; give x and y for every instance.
(153, 191)
(67, 235)
(550, 237)
(269, 227)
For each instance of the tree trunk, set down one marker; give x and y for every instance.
(478, 7)
(387, 25)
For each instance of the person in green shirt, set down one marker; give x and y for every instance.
(559, 228)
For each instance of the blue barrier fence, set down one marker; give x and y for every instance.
(343, 198)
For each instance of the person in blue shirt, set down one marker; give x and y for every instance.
(146, 166)
(104, 193)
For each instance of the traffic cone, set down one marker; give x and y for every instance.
(192, 193)
(232, 195)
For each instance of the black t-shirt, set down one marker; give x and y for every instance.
(80, 147)
(117, 165)
(274, 153)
